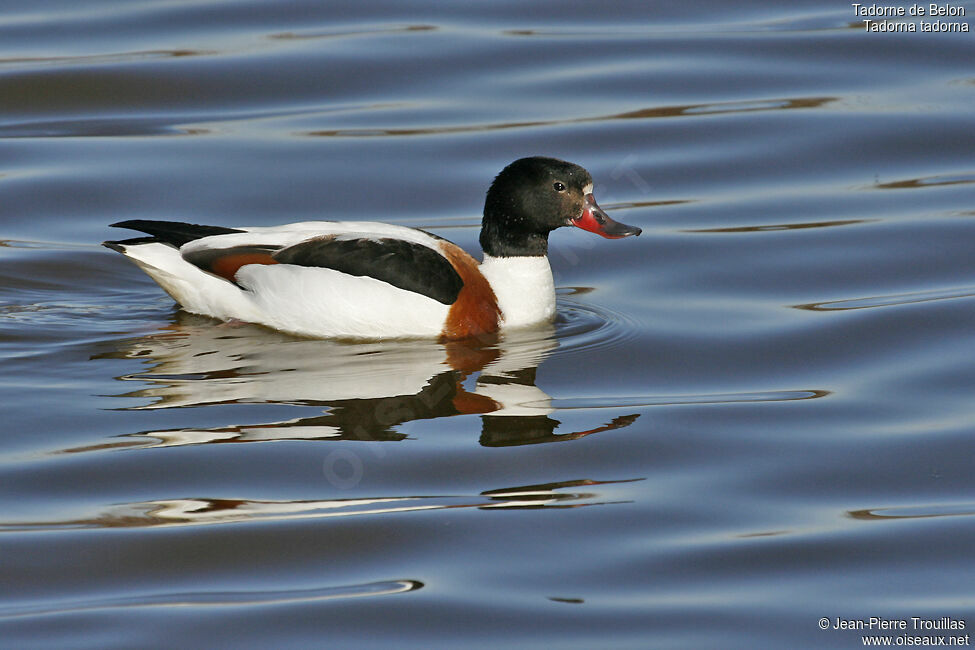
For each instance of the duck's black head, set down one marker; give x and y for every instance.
(531, 197)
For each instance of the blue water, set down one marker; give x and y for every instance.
(756, 415)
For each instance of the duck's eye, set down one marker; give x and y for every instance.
(559, 187)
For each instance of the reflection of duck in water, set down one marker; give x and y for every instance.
(369, 280)
(190, 511)
(368, 388)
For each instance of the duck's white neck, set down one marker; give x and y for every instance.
(523, 286)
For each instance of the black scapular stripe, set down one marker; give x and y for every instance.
(175, 233)
(403, 264)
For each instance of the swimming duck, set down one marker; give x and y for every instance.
(360, 279)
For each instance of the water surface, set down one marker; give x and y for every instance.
(757, 414)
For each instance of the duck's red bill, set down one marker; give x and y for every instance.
(595, 220)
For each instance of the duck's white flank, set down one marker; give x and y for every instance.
(324, 302)
(524, 287)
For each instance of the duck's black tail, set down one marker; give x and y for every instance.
(175, 233)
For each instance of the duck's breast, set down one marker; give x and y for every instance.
(524, 287)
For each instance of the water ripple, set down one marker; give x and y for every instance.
(584, 327)
(914, 512)
(216, 598)
(890, 300)
(346, 33)
(928, 181)
(640, 114)
(101, 59)
(782, 226)
(568, 403)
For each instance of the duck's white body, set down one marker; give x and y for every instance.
(366, 280)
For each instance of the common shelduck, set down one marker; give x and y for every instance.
(370, 280)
